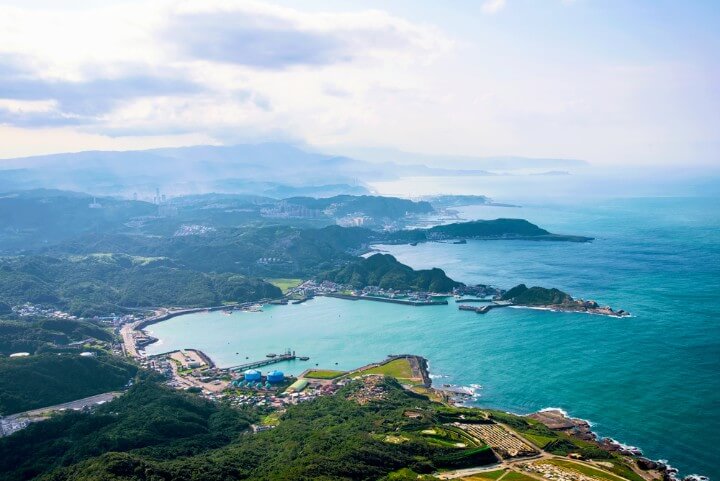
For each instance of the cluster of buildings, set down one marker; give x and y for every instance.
(272, 390)
(28, 309)
(276, 395)
(283, 210)
(354, 220)
(372, 389)
(193, 229)
(270, 260)
(310, 288)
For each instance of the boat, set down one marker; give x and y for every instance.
(271, 355)
(304, 358)
(461, 241)
(255, 308)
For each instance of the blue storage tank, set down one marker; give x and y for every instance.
(252, 375)
(275, 376)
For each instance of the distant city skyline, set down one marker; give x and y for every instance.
(614, 83)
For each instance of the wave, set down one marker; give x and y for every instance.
(671, 472)
(566, 414)
(537, 308)
(560, 410)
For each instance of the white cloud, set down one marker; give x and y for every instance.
(215, 65)
(177, 72)
(492, 6)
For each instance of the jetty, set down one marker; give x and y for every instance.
(486, 308)
(473, 300)
(288, 356)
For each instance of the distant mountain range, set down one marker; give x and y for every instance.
(271, 169)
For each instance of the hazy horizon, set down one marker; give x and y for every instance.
(610, 83)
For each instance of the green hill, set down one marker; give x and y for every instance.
(384, 271)
(152, 433)
(37, 381)
(150, 420)
(100, 284)
(483, 229)
(33, 335)
(536, 296)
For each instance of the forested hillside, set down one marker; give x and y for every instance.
(34, 335)
(384, 271)
(152, 433)
(103, 283)
(43, 380)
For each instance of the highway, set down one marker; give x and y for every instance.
(15, 422)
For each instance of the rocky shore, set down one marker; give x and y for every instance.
(558, 420)
(579, 305)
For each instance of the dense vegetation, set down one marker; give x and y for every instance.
(536, 296)
(273, 251)
(104, 283)
(37, 335)
(149, 420)
(383, 270)
(43, 380)
(153, 433)
(482, 229)
(35, 218)
(40, 219)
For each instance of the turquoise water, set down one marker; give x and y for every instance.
(652, 380)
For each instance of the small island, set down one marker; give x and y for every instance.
(556, 300)
(496, 229)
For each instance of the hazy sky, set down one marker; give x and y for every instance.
(614, 82)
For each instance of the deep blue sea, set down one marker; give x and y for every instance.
(652, 380)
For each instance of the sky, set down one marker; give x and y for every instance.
(612, 82)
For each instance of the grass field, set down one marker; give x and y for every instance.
(285, 284)
(323, 374)
(540, 441)
(584, 469)
(515, 476)
(486, 476)
(399, 369)
(272, 419)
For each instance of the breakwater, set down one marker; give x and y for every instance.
(485, 309)
(406, 302)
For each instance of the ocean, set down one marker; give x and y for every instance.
(651, 380)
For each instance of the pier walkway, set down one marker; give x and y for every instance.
(263, 362)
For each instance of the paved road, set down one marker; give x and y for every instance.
(15, 422)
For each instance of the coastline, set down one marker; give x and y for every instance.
(606, 442)
(577, 428)
(559, 308)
